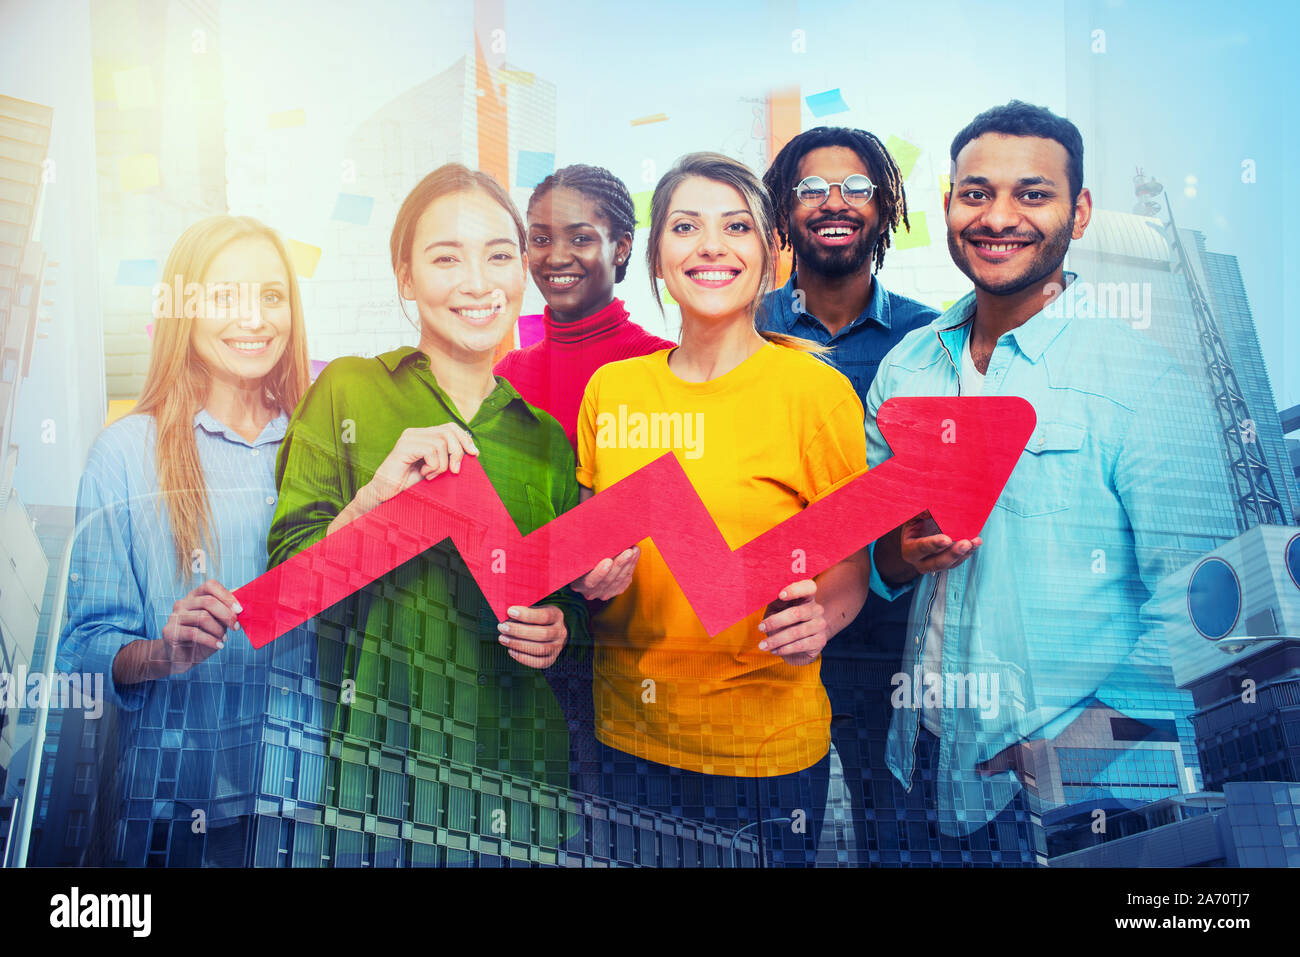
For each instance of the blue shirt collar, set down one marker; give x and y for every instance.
(273, 432)
(877, 309)
(1032, 337)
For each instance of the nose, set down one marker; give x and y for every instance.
(835, 199)
(711, 241)
(1001, 214)
(252, 320)
(473, 282)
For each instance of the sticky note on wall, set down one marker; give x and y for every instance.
(277, 121)
(641, 202)
(304, 256)
(136, 272)
(826, 103)
(531, 167)
(904, 153)
(138, 172)
(919, 235)
(353, 208)
(133, 88)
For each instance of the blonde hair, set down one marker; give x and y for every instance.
(177, 381)
(723, 169)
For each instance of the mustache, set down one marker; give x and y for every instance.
(814, 224)
(971, 237)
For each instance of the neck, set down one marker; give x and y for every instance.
(239, 405)
(564, 327)
(467, 380)
(996, 315)
(835, 301)
(712, 347)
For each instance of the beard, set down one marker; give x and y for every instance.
(1050, 255)
(832, 263)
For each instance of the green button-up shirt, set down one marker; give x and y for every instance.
(431, 680)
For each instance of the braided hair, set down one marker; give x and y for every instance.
(891, 198)
(607, 191)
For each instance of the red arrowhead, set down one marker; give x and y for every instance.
(952, 456)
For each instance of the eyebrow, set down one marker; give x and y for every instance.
(459, 245)
(731, 212)
(1023, 181)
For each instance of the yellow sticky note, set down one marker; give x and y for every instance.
(118, 408)
(904, 153)
(138, 172)
(304, 256)
(918, 235)
(134, 88)
(664, 297)
(517, 77)
(278, 121)
(948, 304)
(641, 202)
(945, 184)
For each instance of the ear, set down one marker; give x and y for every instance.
(623, 248)
(1082, 213)
(404, 286)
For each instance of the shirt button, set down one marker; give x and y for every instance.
(256, 452)
(482, 748)
(270, 500)
(918, 639)
(482, 679)
(74, 577)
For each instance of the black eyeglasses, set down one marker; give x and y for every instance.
(856, 190)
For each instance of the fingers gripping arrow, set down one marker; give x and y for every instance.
(952, 456)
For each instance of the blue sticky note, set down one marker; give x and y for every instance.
(533, 167)
(351, 208)
(137, 272)
(824, 104)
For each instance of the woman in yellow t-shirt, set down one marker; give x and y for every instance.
(732, 729)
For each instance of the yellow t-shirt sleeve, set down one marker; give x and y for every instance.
(837, 453)
(587, 433)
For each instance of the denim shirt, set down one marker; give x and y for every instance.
(1120, 483)
(859, 346)
(203, 727)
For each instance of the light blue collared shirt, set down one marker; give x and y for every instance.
(1120, 483)
(193, 737)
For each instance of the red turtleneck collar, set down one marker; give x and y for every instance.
(596, 326)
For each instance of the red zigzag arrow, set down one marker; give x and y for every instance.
(951, 456)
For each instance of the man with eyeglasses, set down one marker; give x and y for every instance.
(839, 198)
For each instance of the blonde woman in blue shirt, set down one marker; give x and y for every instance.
(173, 511)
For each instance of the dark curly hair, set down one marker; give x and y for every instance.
(1019, 118)
(891, 199)
(609, 193)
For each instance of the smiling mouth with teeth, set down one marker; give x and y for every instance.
(477, 315)
(564, 280)
(248, 345)
(837, 231)
(999, 247)
(713, 275)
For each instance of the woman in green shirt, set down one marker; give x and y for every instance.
(442, 713)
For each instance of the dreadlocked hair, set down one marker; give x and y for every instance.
(891, 198)
(609, 193)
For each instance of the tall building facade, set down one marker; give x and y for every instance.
(161, 155)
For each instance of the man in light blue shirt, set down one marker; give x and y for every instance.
(1014, 634)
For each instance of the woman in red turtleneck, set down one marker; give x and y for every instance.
(580, 224)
